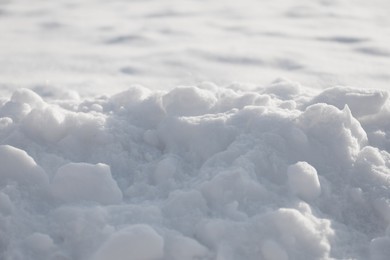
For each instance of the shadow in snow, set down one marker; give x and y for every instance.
(232, 59)
(129, 70)
(122, 39)
(374, 51)
(344, 39)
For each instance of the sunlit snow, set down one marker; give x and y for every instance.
(194, 130)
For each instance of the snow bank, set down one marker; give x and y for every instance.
(198, 172)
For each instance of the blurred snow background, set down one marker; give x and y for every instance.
(102, 46)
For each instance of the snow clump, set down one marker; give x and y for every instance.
(198, 172)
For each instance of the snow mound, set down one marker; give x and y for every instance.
(198, 172)
(303, 180)
(75, 182)
(17, 166)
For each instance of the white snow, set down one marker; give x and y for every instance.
(76, 182)
(128, 130)
(303, 180)
(135, 242)
(243, 177)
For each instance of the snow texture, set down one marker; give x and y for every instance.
(128, 130)
(235, 174)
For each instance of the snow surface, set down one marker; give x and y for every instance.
(128, 131)
(103, 46)
(197, 172)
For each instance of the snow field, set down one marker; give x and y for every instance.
(197, 172)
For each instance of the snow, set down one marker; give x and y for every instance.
(235, 174)
(138, 242)
(157, 130)
(303, 180)
(76, 182)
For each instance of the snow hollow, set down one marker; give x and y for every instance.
(196, 172)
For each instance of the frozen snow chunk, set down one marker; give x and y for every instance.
(336, 136)
(362, 102)
(47, 124)
(380, 248)
(27, 96)
(371, 168)
(303, 180)
(302, 235)
(229, 99)
(271, 250)
(21, 103)
(188, 101)
(198, 137)
(130, 97)
(76, 182)
(284, 88)
(14, 110)
(371, 156)
(18, 166)
(138, 242)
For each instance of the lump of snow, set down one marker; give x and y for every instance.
(188, 101)
(18, 166)
(362, 102)
(140, 242)
(303, 180)
(27, 96)
(76, 182)
(130, 97)
(47, 124)
(15, 111)
(302, 235)
(336, 136)
(200, 137)
(283, 88)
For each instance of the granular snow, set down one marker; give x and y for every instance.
(197, 172)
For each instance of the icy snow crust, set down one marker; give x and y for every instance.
(198, 172)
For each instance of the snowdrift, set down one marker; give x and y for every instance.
(197, 172)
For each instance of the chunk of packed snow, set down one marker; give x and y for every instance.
(75, 182)
(372, 99)
(303, 180)
(18, 166)
(188, 101)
